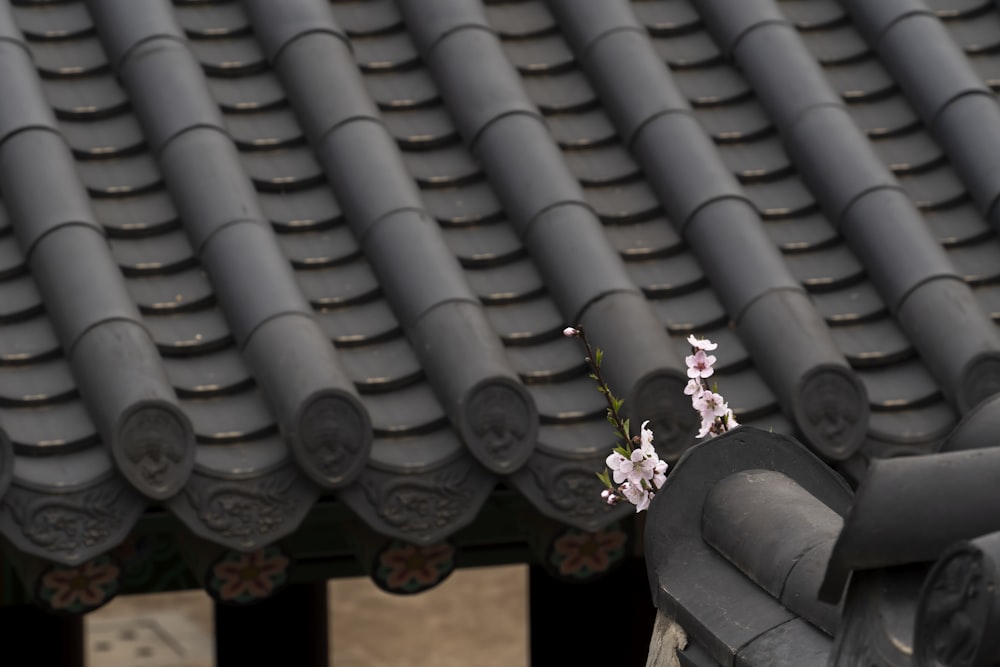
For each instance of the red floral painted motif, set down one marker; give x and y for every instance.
(579, 554)
(407, 568)
(241, 578)
(81, 588)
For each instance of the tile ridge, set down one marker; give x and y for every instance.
(894, 488)
(543, 200)
(712, 212)
(898, 252)
(440, 20)
(461, 354)
(306, 386)
(84, 293)
(677, 537)
(937, 78)
(875, 20)
(731, 26)
(976, 429)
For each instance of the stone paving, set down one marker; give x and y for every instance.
(481, 610)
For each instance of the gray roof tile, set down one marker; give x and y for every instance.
(53, 21)
(406, 230)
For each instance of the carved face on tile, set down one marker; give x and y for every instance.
(500, 421)
(153, 441)
(661, 400)
(954, 610)
(332, 436)
(832, 407)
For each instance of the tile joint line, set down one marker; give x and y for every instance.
(388, 214)
(985, 92)
(749, 29)
(503, 114)
(226, 225)
(339, 34)
(630, 141)
(92, 226)
(350, 119)
(139, 323)
(452, 30)
(184, 130)
(715, 199)
(910, 13)
(19, 42)
(128, 53)
(798, 289)
(600, 297)
(920, 283)
(585, 51)
(554, 205)
(839, 222)
(28, 128)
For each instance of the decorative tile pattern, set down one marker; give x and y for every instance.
(356, 274)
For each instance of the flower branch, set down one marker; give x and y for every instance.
(634, 470)
(634, 465)
(716, 417)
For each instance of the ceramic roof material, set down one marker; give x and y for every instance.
(255, 253)
(738, 543)
(764, 556)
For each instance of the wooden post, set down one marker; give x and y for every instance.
(41, 638)
(610, 620)
(287, 629)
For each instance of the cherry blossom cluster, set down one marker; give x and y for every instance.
(639, 473)
(634, 465)
(716, 417)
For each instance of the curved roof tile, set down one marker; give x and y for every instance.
(313, 401)
(115, 364)
(417, 271)
(386, 248)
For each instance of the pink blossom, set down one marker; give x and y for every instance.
(700, 364)
(643, 503)
(659, 473)
(643, 465)
(646, 440)
(570, 332)
(694, 387)
(710, 404)
(707, 422)
(701, 343)
(636, 495)
(627, 469)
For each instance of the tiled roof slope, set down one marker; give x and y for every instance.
(256, 252)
